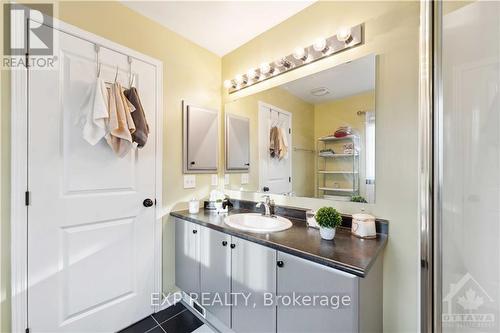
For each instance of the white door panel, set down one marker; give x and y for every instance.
(274, 173)
(91, 241)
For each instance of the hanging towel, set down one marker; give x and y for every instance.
(283, 144)
(140, 136)
(121, 124)
(95, 127)
(274, 142)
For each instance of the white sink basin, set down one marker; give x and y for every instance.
(256, 222)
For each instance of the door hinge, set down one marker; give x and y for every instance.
(27, 330)
(27, 198)
(26, 59)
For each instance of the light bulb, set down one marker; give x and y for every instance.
(300, 54)
(265, 68)
(240, 79)
(320, 45)
(228, 84)
(252, 74)
(344, 35)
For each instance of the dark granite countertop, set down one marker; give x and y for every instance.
(346, 252)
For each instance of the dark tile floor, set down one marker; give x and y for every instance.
(174, 319)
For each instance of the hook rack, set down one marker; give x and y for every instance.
(97, 49)
(131, 75)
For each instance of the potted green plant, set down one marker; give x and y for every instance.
(328, 219)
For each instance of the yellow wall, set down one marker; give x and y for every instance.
(343, 112)
(189, 72)
(391, 33)
(302, 136)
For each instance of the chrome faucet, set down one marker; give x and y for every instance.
(268, 206)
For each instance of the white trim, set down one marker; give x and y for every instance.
(263, 145)
(19, 163)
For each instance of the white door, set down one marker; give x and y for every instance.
(274, 174)
(90, 238)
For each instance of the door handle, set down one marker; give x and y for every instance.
(147, 202)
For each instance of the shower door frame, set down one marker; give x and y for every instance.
(430, 165)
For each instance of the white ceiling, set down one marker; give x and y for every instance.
(219, 26)
(342, 81)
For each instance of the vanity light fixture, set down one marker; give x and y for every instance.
(240, 79)
(265, 68)
(320, 45)
(252, 74)
(229, 84)
(283, 62)
(344, 39)
(300, 54)
(344, 35)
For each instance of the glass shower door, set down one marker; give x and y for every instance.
(469, 208)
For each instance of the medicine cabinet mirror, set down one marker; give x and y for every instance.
(237, 143)
(312, 137)
(200, 139)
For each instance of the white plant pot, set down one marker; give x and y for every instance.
(327, 233)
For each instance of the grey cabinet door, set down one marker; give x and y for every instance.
(215, 273)
(299, 277)
(253, 276)
(187, 256)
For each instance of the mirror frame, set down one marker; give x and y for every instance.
(227, 117)
(185, 168)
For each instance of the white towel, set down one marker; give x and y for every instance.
(95, 127)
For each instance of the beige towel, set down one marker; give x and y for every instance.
(274, 142)
(282, 144)
(121, 124)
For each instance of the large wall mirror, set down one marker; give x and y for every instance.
(312, 137)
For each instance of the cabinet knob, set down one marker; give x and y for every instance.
(233, 246)
(224, 243)
(192, 163)
(195, 231)
(280, 263)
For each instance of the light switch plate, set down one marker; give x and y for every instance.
(226, 179)
(189, 181)
(244, 178)
(215, 180)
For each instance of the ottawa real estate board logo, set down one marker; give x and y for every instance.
(467, 305)
(28, 35)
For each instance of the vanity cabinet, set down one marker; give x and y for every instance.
(215, 272)
(305, 280)
(209, 261)
(253, 272)
(187, 256)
